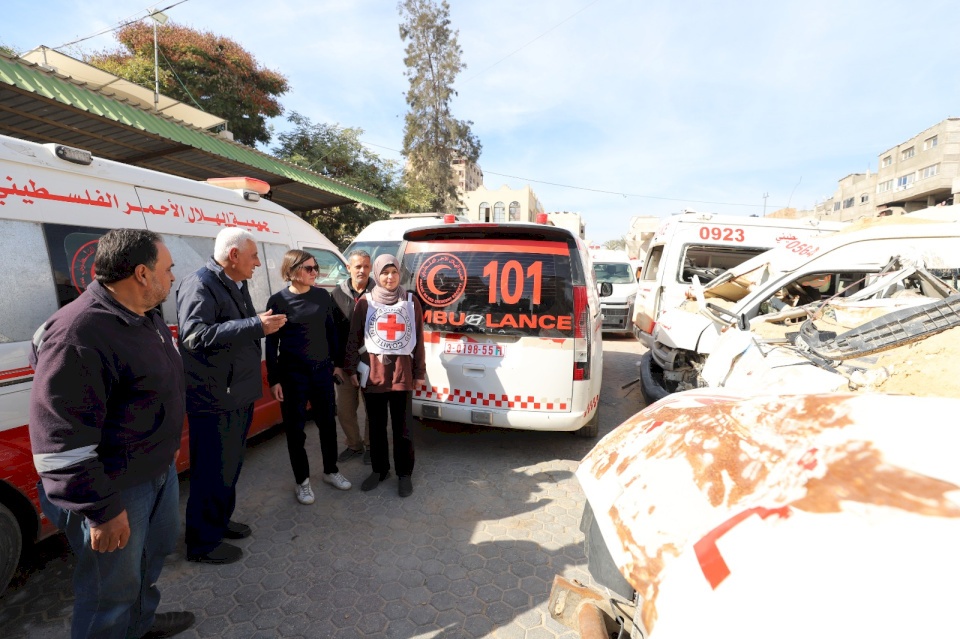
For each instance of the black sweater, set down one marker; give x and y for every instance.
(107, 405)
(309, 337)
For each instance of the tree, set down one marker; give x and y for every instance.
(201, 68)
(336, 152)
(616, 245)
(432, 137)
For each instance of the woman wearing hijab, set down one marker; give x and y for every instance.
(299, 369)
(385, 357)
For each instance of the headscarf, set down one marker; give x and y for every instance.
(379, 294)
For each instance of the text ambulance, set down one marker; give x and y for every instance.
(55, 203)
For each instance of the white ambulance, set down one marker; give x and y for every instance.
(385, 236)
(512, 326)
(619, 271)
(55, 203)
(705, 245)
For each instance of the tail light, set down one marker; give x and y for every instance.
(581, 334)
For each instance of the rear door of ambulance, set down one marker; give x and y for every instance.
(498, 305)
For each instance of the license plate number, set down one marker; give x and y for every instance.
(467, 348)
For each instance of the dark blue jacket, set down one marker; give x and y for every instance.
(220, 337)
(107, 405)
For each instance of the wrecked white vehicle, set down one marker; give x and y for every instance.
(784, 286)
(723, 514)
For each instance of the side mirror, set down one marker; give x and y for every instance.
(606, 289)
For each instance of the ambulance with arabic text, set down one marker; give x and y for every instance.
(705, 245)
(512, 325)
(55, 204)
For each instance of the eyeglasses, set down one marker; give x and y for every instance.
(311, 269)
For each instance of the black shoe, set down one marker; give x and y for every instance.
(406, 486)
(366, 457)
(223, 554)
(169, 624)
(373, 480)
(348, 454)
(236, 530)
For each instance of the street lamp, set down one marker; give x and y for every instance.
(158, 18)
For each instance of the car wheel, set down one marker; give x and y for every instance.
(652, 384)
(591, 428)
(11, 543)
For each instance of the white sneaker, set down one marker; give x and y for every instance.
(337, 480)
(305, 493)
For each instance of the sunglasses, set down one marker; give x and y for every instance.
(311, 269)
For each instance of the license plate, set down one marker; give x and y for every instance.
(468, 348)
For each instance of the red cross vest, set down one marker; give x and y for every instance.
(390, 329)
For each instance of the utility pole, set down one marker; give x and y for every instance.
(158, 18)
(765, 196)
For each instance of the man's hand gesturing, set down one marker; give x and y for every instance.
(271, 323)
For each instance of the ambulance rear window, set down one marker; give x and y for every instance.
(498, 286)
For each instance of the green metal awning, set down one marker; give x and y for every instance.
(43, 106)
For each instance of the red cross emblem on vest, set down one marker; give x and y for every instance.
(391, 327)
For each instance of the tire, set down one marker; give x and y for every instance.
(651, 380)
(591, 428)
(11, 544)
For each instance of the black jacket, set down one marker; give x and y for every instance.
(220, 337)
(345, 302)
(107, 405)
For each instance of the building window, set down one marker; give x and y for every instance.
(514, 211)
(905, 180)
(864, 198)
(883, 187)
(930, 171)
(498, 212)
(847, 203)
(906, 154)
(929, 143)
(484, 211)
(887, 161)
(836, 206)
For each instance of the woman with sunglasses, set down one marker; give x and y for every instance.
(300, 369)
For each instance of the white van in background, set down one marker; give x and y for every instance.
(512, 326)
(385, 236)
(620, 271)
(705, 245)
(55, 204)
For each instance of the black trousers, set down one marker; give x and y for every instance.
(400, 405)
(217, 444)
(315, 385)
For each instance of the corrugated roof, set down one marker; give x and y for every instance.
(44, 106)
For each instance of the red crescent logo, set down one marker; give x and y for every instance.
(441, 290)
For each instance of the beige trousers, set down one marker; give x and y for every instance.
(348, 405)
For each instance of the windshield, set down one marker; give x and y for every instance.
(613, 272)
(375, 249)
(503, 287)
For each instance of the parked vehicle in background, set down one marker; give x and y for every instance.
(616, 268)
(705, 245)
(55, 203)
(385, 236)
(778, 285)
(638, 238)
(512, 326)
(713, 513)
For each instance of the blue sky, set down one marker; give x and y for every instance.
(647, 108)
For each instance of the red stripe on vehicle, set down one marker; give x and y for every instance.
(489, 246)
(16, 372)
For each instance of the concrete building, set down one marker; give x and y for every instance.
(467, 176)
(502, 205)
(921, 172)
(569, 220)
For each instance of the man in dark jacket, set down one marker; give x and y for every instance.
(106, 414)
(348, 396)
(220, 335)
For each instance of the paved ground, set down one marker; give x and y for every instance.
(494, 516)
